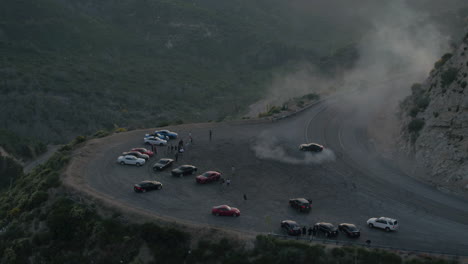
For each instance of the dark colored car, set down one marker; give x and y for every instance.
(329, 230)
(147, 186)
(144, 151)
(301, 204)
(170, 134)
(291, 227)
(225, 210)
(136, 154)
(184, 170)
(162, 164)
(208, 176)
(349, 229)
(313, 147)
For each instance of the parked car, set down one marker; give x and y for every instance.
(144, 151)
(386, 223)
(136, 154)
(162, 164)
(291, 227)
(208, 176)
(349, 229)
(184, 170)
(130, 160)
(312, 147)
(155, 141)
(161, 136)
(170, 134)
(329, 230)
(301, 204)
(225, 210)
(147, 186)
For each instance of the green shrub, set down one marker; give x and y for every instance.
(79, 139)
(416, 125)
(300, 103)
(414, 111)
(101, 134)
(442, 60)
(449, 76)
(37, 198)
(274, 110)
(120, 130)
(422, 102)
(463, 84)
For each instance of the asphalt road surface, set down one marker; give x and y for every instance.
(349, 182)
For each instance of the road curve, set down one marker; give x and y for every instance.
(348, 183)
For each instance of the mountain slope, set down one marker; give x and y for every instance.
(435, 121)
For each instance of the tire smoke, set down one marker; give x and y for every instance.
(269, 148)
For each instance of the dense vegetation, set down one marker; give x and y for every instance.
(21, 147)
(74, 67)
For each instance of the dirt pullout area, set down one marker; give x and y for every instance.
(76, 183)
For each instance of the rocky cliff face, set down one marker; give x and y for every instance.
(434, 121)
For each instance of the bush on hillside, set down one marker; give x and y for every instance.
(448, 76)
(442, 60)
(416, 125)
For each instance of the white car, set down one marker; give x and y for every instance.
(131, 160)
(155, 141)
(389, 224)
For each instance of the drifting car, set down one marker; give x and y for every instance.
(170, 134)
(291, 227)
(184, 170)
(208, 176)
(312, 147)
(162, 164)
(136, 154)
(329, 230)
(130, 160)
(301, 204)
(225, 210)
(388, 224)
(349, 229)
(154, 141)
(147, 186)
(144, 151)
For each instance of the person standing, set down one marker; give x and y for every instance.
(245, 197)
(304, 230)
(228, 182)
(314, 231)
(211, 134)
(155, 149)
(233, 170)
(310, 231)
(176, 156)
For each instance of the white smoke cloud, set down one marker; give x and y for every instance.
(270, 148)
(399, 48)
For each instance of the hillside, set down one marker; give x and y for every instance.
(71, 68)
(74, 67)
(434, 121)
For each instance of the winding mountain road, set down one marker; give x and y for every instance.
(349, 182)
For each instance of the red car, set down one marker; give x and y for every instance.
(144, 151)
(225, 210)
(208, 176)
